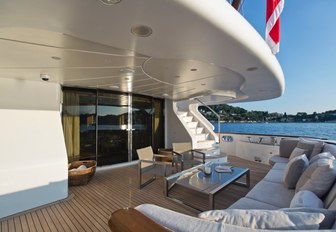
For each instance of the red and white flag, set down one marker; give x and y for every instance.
(273, 11)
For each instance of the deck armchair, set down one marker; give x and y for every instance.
(149, 163)
(183, 154)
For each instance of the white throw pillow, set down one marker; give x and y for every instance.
(318, 177)
(326, 155)
(265, 219)
(306, 199)
(297, 152)
(294, 169)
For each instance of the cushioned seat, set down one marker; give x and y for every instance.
(279, 166)
(248, 203)
(275, 176)
(277, 159)
(272, 193)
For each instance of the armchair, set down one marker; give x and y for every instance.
(148, 164)
(184, 154)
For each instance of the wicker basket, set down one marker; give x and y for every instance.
(81, 177)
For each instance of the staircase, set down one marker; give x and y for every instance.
(200, 130)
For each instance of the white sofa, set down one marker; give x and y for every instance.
(270, 196)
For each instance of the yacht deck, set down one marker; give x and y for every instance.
(88, 207)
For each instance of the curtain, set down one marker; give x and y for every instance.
(71, 124)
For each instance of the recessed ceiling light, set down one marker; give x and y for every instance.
(141, 30)
(251, 68)
(126, 79)
(165, 95)
(177, 76)
(203, 84)
(193, 69)
(110, 2)
(56, 58)
(127, 71)
(114, 87)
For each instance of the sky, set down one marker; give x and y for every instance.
(307, 55)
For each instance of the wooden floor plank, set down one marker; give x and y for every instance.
(30, 222)
(90, 206)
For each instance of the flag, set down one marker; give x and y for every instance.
(273, 11)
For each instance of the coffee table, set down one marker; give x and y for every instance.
(195, 179)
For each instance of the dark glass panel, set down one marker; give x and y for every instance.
(113, 125)
(142, 112)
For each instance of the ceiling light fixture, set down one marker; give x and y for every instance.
(193, 69)
(141, 30)
(114, 87)
(56, 58)
(110, 2)
(165, 95)
(251, 69)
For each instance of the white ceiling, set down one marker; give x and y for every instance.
(197, 48)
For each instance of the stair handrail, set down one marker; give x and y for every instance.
(215, 113)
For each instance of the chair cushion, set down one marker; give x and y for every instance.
(306, 199)
(265, 219)
(294, 169)
(318, 177)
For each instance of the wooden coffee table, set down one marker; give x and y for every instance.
(195, 179)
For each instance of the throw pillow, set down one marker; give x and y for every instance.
(297, 152)
(318, 177)
(329, 215)
(313, 147)
(327, 155)
(306, 199)
(266, 219)
(293, 170)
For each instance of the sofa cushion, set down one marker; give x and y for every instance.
(265, 219)
(329, 215)
(248, 203)
(287, 146)
(279, 166)
(297, 152)
(274, 176)
(318, 177)
(330, 148)
(306, 199)
(294, 169)
(313, 147)
(277, 159)
(330, 197)
(326, 155)
(272, 193)
(177, 221)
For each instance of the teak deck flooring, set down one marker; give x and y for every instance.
(88, 207)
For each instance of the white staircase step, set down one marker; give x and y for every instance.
(188, 118)
(192, 124)
(182, 113)
(197, 130)
(201, 136)
(205, 144)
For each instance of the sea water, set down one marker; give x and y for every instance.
(318, 130)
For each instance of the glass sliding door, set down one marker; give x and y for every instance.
(113, 128)
(142, 112)
(110, 126)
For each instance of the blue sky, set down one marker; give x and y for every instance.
(307, 55)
